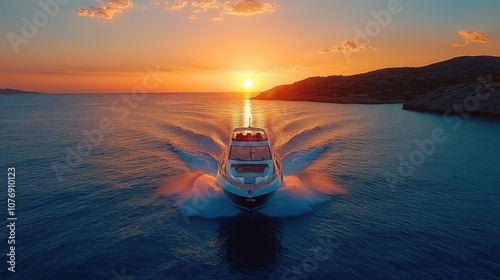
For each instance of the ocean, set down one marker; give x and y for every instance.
(122, 187)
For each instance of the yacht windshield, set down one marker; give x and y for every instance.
(250, 153)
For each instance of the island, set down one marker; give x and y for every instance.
(434, 88)
(17, 91)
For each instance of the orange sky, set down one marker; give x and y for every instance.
(211, 45)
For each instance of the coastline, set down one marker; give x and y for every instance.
(462, 85)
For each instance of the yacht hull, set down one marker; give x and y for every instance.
(249, 174)
(249, 204)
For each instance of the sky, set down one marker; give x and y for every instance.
(99, 46)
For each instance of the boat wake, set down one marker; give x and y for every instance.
(195, 194)
(193, 191)
(298, 195)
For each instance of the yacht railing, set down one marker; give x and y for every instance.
(244, 186)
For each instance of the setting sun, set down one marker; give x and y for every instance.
(247, 83)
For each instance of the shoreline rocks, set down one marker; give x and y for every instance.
(478, 98)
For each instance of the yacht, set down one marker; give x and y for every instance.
(249, 173)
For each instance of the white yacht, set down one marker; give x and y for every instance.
(249, 174)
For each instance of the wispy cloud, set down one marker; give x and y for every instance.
(78, 70)
(205, 4)
(347, 46)
(173, 5)
(471, 37)
(221, 8)
(263, 71)
(202, 6)
(131, 70)
(248, 7)
(106, 9)
(285, 68)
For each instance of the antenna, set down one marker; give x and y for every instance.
(249, 122)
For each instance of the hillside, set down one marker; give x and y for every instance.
(390, 85)
(17, 91)
(481, 97)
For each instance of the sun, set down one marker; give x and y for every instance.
(247, 83)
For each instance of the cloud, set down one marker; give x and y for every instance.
(263, 71)
(201, 6)
(226, 7)
(248, 7)
(285, 68)
(175, 5)
(134, 70)
(218, 18)
(471, 37)
(205, 4)
(74, 70)
(347, 46)
(106, 10)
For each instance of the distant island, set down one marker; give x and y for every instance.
(434, 88)
(17, 91)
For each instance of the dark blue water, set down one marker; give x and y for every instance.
(112, 187)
